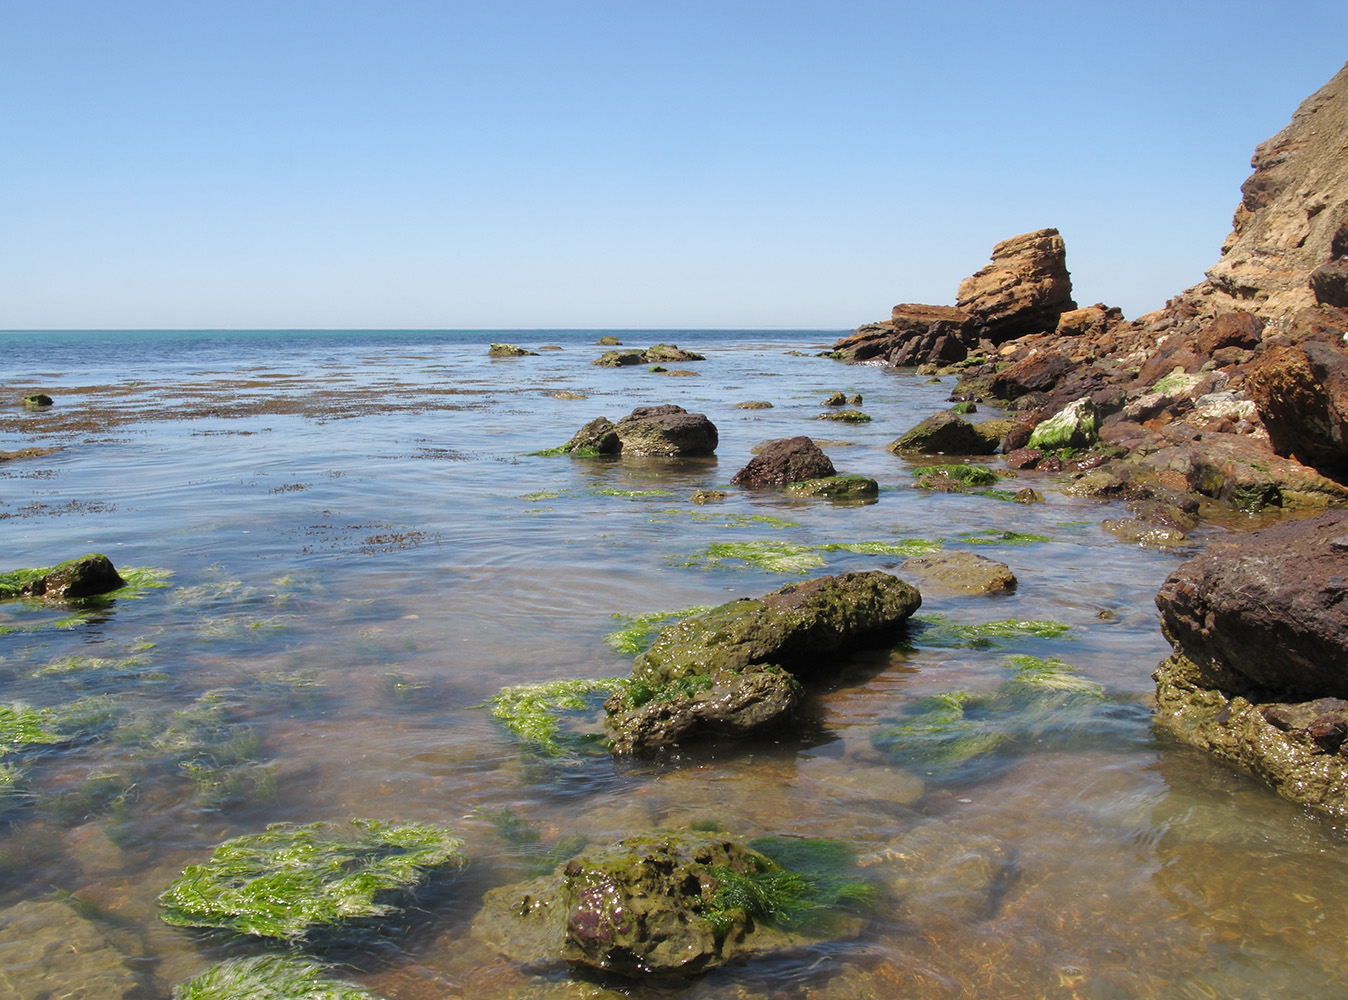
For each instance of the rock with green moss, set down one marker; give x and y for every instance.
(954, 478)
(848, 487)
(961, 572)
(536, 713)
(607, 341)
(736, 669)
(783, 461)
(619, 359)
(37, 401)
(268, 977)
(1076, 425)
(677, 904)
(667, 353)
(667, 430)
(87, 576)
(943, 433)
(847, 416)
(297, 883)
(509, 351)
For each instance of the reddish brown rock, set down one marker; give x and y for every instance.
(1302, 396)
(1231, 329)
(1024, 290)
(1037, 373)
(783, 461)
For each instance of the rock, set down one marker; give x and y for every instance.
(509, 351)
(1292, 210)
(914, 335)
(961, 572)
(1075, 426)
(945, 877)
(1329, 282)
(568, 394)
(1088, 321)
(943, 433)
(709, 496)
(669, 353)
(48, 950)
(609, 342)
(667, 430)
(1135, 531)
(729, 670)
(1267, 611)
(754, 404)
(665, 904)
(837, 488)
(87, 576)
(1301, 393)
(1040, 372)
(847, 416)
(598, 437)
(37, 400)
(1023, 458)
(782, 461)
(1025, 289)
(1028, 494)
(835, 399)
(1236, 328)
(854, 399)
(619, 359)
(1243, 472)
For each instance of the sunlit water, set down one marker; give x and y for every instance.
(354, 582)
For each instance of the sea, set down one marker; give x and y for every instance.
(345, 544)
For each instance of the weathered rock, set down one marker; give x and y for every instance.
(1268, 611)
(1040, 372)
(1088, 321)
(846, 416)
(666, 430)
(508, 351)
(1236, 328)
(1136, 531)
(598, 437)
(709, 496)
(87, 576)
(1329, 282)
(609, 342)
(837, 488)
(1075, 426)
(662, 353)
(782, 461)
(961, 572)
(1293, 207)
(662, 904)
(1302, 396)
(754, 404)
(619, 359)
(1244, 473)
(835, 399)
(1024, 290)
(915, 334)
(943, 433)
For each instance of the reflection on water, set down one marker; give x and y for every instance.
(351, 583)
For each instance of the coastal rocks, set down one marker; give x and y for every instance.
(943, 433)
(736, 668)
(961, 572)
(509, 351)
(668, 904)
(657, 355)
(1025, 289)
(782, 461)
(37, 401)
(667, 430)
(87, 576)
(914, 335)
(851, 487)
(1260, 670)
(1302, 396)
(1076, 425)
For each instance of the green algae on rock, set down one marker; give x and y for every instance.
(636, 635)
(532, 712)
(675, 904)
(939, 631)
(1076, 425)
(845, 487)
(87, 576)
(953, 478)
(847, 416)
(902, 547)
(268, 977)
(774, 556)
(509, 351)
(292, 881)
(994, 536)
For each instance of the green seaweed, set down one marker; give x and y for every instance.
(944, 730)
(290, 881)
(640, 692)
(530, 711)
(939, 631)
(268, 977)
(995, 536)
(1005, 495)
(630, 494)
(965, 475)
(638, 630)
(904, 547)
(1051, 674)
(22, 726)
(775, 557)
(727, 520)
(538, 495)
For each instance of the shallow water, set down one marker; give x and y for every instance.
(362, 553)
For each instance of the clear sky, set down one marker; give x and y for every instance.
(637, 163)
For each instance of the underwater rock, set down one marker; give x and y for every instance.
(730, 669)
(48, 950)
(667, 430)
(943, 876)
(962, 572)
(837, 488)
(676, 904)
(954, 478)
(509, 351)
(754, 404)
(783, 461)
(1259, 626)
(943, 433)
(87, 576)
(847, 416)
(290, 881)
(268, 977)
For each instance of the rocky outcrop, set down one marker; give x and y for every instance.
(783, 461)
(509, 351)
(87, 576)
(737, 668)
(1301, 393)
(944, 433)
(659, 354)
(1259, 675)
(1025, 289)
(667, 430)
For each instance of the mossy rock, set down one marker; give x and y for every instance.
(296, 882)
(1076, 425)
(945, 433)
(677, 904)
(87, 576)
(37, 401)
(954, 478)
(509, 351)
(847, 416)
(754, 404)
(268, 977)
(609, 342)
(619, 359)
(849, 487)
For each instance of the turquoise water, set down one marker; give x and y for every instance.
(362, 552)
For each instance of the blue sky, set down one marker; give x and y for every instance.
(575, 164)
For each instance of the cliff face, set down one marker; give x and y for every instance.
(1292, 220)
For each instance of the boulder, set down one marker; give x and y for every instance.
(37, 401)
(1025, 289)
(596, 438)
(943, 433)
(1236, 328)
(961, 572)
(837, 488)
(1077, 425)
(87, 576)
(782, 461)
(619, 359)
(915, 334)
(667, 430)
(1040, 372)
(1301, 393)
(508, 351)
(662, 353)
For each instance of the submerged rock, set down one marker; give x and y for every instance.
(851, 487)
(675, 904)
(783, 461)
(37, 401)
(667, 430)
(87, 576)
(962, 572)
(737, 668)
(48, 950)
(1259, 626)
(943, 433)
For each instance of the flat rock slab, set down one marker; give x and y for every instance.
(961, 572)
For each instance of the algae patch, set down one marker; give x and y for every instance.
(532, 712)
(995, 536)
(773, 556)
(268, 977)
(638, 630)
(289, 881)
(939, 631)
